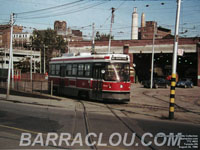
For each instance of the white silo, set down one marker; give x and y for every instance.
(134, 27)
(143, 22)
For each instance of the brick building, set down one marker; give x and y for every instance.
(187, 65)
(147, 31)
(5, 34)
(60, 27)
(70, 35)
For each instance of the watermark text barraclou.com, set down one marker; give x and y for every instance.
(115, 139)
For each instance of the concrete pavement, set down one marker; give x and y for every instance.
(145, 103)
(144, 114)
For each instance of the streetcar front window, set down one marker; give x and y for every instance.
(117, 72)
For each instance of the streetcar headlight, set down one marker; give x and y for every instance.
(121, 86)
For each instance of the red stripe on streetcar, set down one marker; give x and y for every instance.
(119, 86)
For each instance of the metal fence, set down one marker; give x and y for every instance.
(30, 86)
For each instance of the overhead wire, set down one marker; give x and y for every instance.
(111, 15)
(49, 8)
(27, 2)
(66, 12)
(51, 12)
(58, 11)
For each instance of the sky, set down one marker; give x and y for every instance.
(80, 14)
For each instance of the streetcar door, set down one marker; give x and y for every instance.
(62, 79)
(97, 83)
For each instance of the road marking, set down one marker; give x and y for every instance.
(19, 129)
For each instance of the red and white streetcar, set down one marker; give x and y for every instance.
(94, 76)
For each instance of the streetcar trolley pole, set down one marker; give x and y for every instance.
(173, 78)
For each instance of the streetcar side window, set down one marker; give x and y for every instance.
(53, 69)
(80, 69)
(57, 69)
(62, 70)
(69, 70)
(87, 70)
(50, 69)
(74, 69)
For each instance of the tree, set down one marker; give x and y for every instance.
(103, 36)
(24, 65)
(49, 40)
(60, 44)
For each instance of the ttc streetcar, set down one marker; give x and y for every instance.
(93, 76)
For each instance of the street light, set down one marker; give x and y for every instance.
(152, 59)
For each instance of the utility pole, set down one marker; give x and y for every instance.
(68, 42)
(5, 58)
(11, 55)
(44, 60)
(93, 38)
(31, 65)
(40, 61)
(173, 79)
(68, 47)
(34, 61)
(152, 59)
(112, 21)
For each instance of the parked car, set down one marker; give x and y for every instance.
(186, 83)
(157, 82)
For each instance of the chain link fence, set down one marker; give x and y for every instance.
(30, 86)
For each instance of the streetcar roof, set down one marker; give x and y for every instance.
(88, 57)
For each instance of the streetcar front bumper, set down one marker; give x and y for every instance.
(116, 96)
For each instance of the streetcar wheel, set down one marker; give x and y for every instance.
(83, 95)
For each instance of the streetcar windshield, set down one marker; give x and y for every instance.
(117, 72)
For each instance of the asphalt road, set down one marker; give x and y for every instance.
(108, 128)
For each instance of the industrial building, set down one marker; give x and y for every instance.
(140, 47)
(141, 50)
(69, 35)
(5, 34)
(22, 39)
(18, 55)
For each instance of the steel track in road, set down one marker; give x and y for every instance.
(126, 124)
(178, 107)
(86, 122)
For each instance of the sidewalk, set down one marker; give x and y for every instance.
(50, 102)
